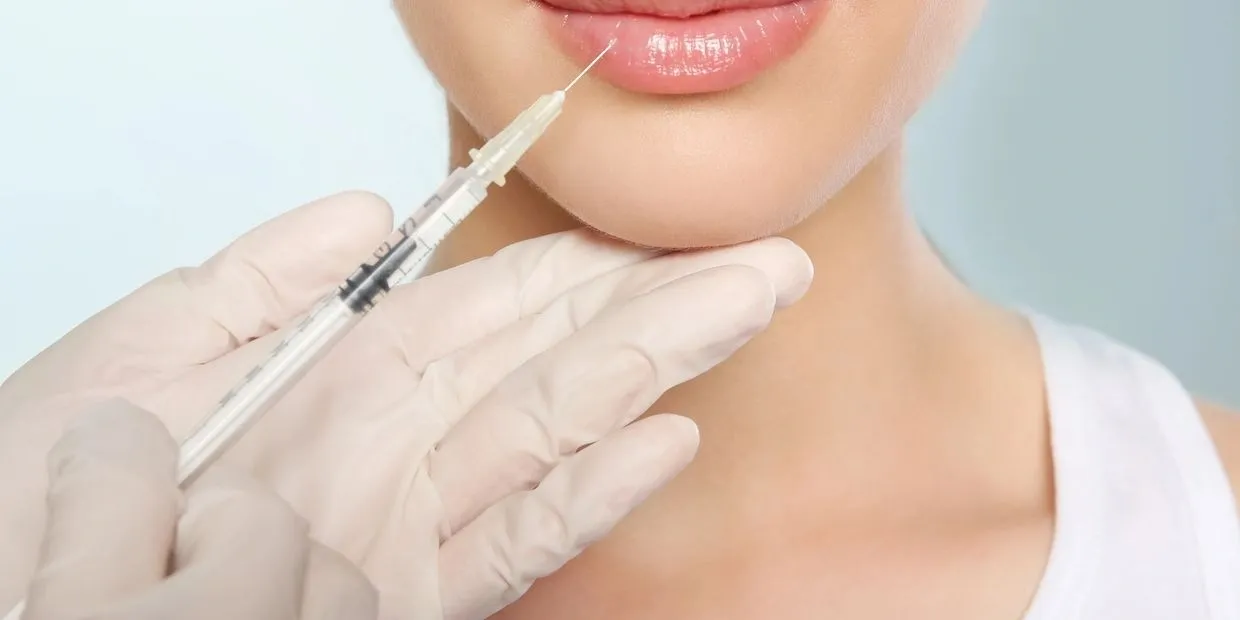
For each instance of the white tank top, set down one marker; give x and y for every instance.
(1146, 523)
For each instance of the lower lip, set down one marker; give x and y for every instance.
(673, 56)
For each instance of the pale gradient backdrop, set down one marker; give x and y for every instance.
(1083, 159)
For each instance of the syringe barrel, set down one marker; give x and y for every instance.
(237, 412)
(390, 265)
(400, 256)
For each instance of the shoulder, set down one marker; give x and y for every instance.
(1224, 427)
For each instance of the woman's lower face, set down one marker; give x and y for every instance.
(709, 122)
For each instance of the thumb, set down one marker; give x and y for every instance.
(112, 506)
(191, 316)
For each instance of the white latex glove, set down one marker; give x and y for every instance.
(438, 446)
(115, 520)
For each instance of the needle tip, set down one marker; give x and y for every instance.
(596, 60)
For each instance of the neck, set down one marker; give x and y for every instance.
(888, 359)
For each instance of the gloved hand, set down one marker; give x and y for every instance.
(439, 446)
(114, 520)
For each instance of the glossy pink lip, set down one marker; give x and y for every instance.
(662, 8)
(705, 46)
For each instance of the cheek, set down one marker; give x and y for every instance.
(493, 58)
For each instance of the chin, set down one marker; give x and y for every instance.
(687, 178)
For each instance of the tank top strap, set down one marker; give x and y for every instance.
(1146, 522)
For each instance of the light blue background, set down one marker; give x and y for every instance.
(1083, 158)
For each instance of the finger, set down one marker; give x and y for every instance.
(112, 509)
(481, 297)
(605, 376)
(417, 322)
(191, 316)
(335, 589)
(273, 274)
(495, 559)
(455, 384)
(241, 552)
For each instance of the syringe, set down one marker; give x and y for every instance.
(391, 264)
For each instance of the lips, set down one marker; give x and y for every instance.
(681, 47)
(664, 8)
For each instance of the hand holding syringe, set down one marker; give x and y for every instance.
(393, 263)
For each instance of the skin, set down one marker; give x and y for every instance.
(883, 448)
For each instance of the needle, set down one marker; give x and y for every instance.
(590, 66)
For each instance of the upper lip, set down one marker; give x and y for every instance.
(662, 8)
